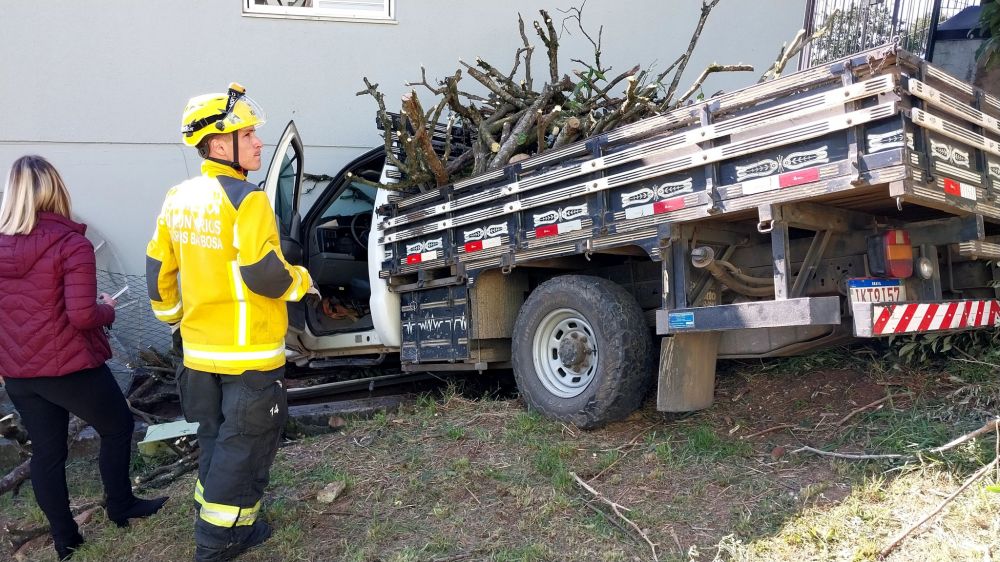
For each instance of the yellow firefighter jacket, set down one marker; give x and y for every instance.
(220, 233)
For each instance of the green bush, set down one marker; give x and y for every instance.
(989, 20)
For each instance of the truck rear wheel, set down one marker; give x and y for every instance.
(582, 352)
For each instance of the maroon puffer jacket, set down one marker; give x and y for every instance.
(50, 321)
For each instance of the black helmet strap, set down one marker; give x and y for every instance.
(236, 153)
(235, 162)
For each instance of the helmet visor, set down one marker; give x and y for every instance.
(244, 113)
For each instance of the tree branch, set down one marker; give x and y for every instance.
(492, 86)
(383, 115)
(872, 405)
(617, 509)
(166, 474)
(711, 69)
(662, 75)
(576, 13)
(525, 122)
(905, 533)
(987, 428)
(706, 9)
(798, 43)
(849, 456)
(423, 82)
(20, 473)
(415, 113)
(569, 131)
(528, 49)
(507, 83)
(551, 42)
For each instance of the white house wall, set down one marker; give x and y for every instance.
(98, 87)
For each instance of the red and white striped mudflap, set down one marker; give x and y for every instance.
(559, 228)
(912, 318)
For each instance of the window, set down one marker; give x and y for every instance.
(284, 203)
(373, 11)
(357, 198)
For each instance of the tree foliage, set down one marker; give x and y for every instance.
(989, 19)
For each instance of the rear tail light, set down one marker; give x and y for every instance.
(890, 254)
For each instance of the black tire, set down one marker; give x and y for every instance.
(616, 382)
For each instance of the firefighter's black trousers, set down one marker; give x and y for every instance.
(240, 421)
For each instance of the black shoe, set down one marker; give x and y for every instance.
(66, 548)
(138, 508)
(259, 532)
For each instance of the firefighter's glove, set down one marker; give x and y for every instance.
(313, 294)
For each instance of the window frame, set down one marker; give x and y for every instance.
(317, 14)
(286, 190)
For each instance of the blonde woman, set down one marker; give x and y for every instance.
(53, 347)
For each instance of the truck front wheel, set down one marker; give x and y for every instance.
(582, 352)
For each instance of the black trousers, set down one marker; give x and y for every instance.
(240, 419)
(44, 405)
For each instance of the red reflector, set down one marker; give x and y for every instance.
(798, 177)
(474, 246)
(668, 205)
(550, 230)
(952, 187)
(898, 254)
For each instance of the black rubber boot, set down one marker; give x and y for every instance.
(255, 535)
(65, 547)
(138, 508)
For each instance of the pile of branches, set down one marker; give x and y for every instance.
(516, 117)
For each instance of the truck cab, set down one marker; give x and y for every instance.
(358, 318)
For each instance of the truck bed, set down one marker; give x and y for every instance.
(866, 133)
(881, 134)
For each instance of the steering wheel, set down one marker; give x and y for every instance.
(360, 227)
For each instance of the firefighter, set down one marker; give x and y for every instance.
(215, 270)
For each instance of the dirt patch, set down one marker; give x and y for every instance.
(763, 402)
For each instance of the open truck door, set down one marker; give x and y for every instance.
(283, 186)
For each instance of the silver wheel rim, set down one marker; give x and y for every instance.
(565, 354)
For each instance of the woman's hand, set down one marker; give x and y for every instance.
(105, 298)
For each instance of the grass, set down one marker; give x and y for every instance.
(483, 479)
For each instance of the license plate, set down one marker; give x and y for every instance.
(876, 290)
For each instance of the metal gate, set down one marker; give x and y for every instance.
(861, 24)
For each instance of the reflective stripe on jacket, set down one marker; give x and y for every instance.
(220, 233)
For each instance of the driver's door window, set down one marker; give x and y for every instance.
(284, 201)
(283, 181)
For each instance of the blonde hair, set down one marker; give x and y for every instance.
(33, 186)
